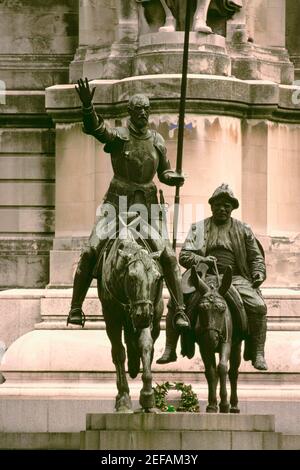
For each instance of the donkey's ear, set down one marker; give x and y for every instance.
(226, 281)
(156, 255)
(197, 282)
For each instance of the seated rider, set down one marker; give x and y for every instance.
(226, 241)
(137, 154)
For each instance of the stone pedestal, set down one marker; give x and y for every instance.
(179, 431)
(161, 53)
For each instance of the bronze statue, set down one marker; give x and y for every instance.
(215, 330)
(174, 12)
(130, 289)
(221, 241)
(137, 154)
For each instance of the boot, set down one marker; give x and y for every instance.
(258, 331)
(172, 336)
(82, 280)
(172, 276)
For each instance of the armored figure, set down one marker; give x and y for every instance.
(137, 154)
(220, 241)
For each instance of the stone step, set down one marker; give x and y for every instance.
(39, 441)
(179, 431)
(290, 442)
(180, 420)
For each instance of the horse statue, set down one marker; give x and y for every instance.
(214, 329)
(172, 13)
(130, 291)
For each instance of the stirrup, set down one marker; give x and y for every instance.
(76, 317)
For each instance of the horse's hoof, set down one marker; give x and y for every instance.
(124, 409)
(123, 404)
(211, 409)
(224, 408)
(234, 409)
(148, 410)
(147, 400)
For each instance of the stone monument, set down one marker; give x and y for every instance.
(242, 126)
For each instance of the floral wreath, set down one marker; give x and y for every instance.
(188, 400)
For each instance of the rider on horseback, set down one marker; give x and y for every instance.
(137, 154)
(221, 240)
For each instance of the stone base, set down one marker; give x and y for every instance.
(180, 431)
(113, 62)
(161, 53)
(116, 431)
(250, 62)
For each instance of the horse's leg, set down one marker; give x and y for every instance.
(211, 375)
(222, 370)
(114, 332)
(170, 21)
(235, 361)
(145, 343)
(200, 17)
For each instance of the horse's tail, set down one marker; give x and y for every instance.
(133, 355)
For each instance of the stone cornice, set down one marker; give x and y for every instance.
(206, 94)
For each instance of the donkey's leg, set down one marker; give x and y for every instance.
(114, 332)
(200, 17)
(235, 361)
(211, 375)
(145, 343)
(222, 370)
(170, 21)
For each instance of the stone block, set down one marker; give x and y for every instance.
(63, 265)
(27, 167)
(289, 442)
(33, 416)
(24, 262)
(91, 440)
(27, 220)
(247, 440)
(39, 441)
(182, 421)
(27, 141)
(27, 193)
(206, 440)
(139, 440)
(271, 440)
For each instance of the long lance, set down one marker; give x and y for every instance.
(181, 116)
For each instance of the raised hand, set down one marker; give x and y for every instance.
(84, 92)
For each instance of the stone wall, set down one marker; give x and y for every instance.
(38, 40)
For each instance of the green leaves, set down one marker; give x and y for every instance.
(188, 400)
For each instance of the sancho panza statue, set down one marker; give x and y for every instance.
(137, 154)
(223, 240)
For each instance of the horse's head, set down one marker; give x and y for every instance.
(140, 283)
(211, 306)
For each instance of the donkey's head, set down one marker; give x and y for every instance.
(211, 306)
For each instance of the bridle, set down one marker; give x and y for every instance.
(128, 306)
